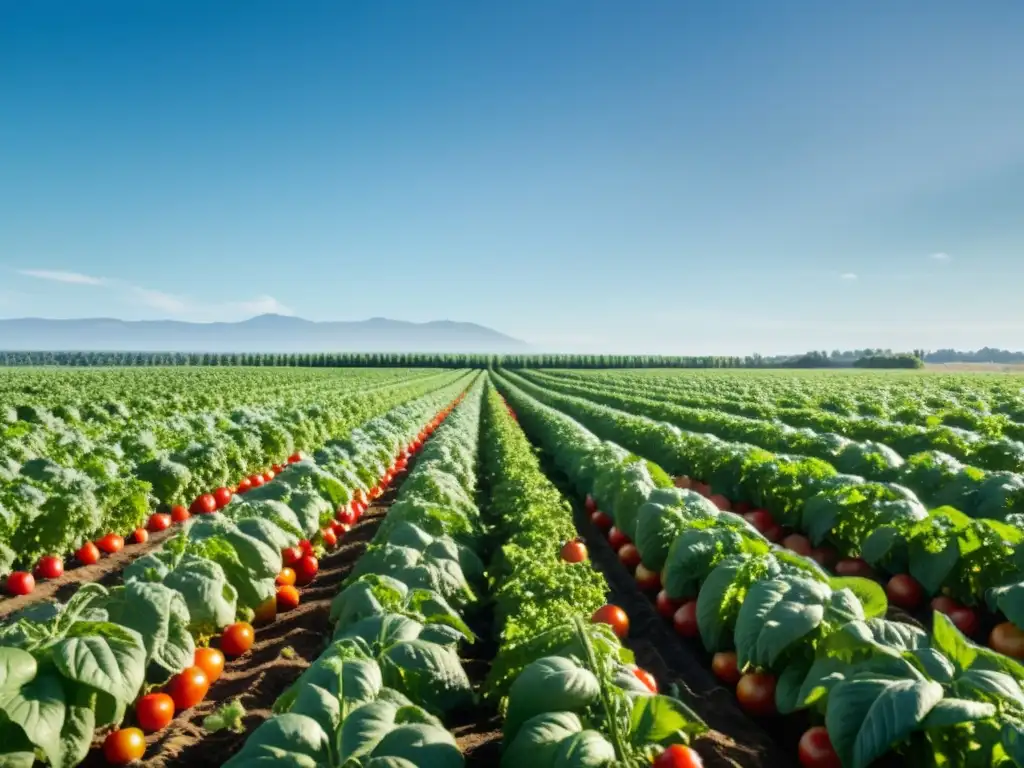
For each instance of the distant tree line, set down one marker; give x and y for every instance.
(860, 358)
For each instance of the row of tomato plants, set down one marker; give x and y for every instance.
(90, 658)
(53, 502)
(803, 641)
(873, 528)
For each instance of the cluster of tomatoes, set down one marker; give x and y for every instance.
(755, 691)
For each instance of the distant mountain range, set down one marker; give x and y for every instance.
(265, 333)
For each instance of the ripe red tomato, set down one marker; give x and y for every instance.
(329, 537)
(267, 477)
(188, 688)
(721, 502)
(111, 543)
(613, 616)
(244, 485)
(158, 521)
(647, 679)
(798, 543)
(756, 694)
(725, 667)
(340, 529)
(204, 505)
(590, 505)
(255, 481)
(306, 546)
(629, 556)
(140, 536)
(287, 598)
(904, 591)
(305, 570)
(678, 756)
(685, 620)
(291, 555)
(49, 567)
(617, 538)
(237, 638)
(601, 520)
(124, 746)
(277, 469)
(222, 497)
(1007, 639)
(211, 661)
(666, 606)
(574, 551)
(760, 518)
(347, 515)
(154, 711)
(20, 583)
(854, 566)
(944, 604)
(295, 458)
(179, 514)
(646, 579)
(88, 554)
(816, 751)
(965, 619)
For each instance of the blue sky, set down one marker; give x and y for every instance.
(678, 177)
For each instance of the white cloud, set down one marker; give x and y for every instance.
(169, 304)
(941, 256)
(848, 276)
(58, 276)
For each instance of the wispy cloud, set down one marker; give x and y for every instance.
(58, 276)
(940, 256)
(848, 276)
(169, 304)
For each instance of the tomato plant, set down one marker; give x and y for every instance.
(854, 566)
(798, 543)
(124, 746)
(154, 711)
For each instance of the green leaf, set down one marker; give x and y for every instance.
(869, 592)
(551, 684)
(160, 616)
(426, 746)
(429, 674)
(662, 720)
(950, 712)
(537, 743)
(589, 749)
(951, 642)
(38, 707)
(17, 667)
(286, 740)
(866, 717)
(107, 657)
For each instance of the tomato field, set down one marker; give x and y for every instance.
(399, 567)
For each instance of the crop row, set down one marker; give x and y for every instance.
(72, 668)
(937, 478)
(803, 640)
(63, 484)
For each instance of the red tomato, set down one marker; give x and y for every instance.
(340, 529)
(725, 667)
(574, 551)
(211, 661)
(305, 570)
(760, 518)
(244, 485)
(1007, 639)
(287, 598)
(347, 515)
(798, 543)
(237, 638)
(306, 546)
(816, 751)
(111, 543)
(613, 616)
(295, 458)
(756, 694)
(188, 688)
(904, 591)
(20, 583)
(629, 556)
(773, 533)
(291, 555)
(330, 538)
(601, 520)
(267, 477)
(88, 554)
(944, 604)
(222, 497)
(158, 521)
(204, 505)
(49, 567)
(825, 556)
(141, 536)
(854, 566)
(179, 514)
(721, 502)
(277, 469)
(666, 606)
(647, 679)
(685, 620)
(590, 505)
(742, 507)
(124, 746)
(965, 619)
(678, 756)
(617, 538)
(646, 579)
(154, 711)
(255, 481)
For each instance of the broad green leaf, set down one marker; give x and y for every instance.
(550, 684)
(38, 707)
(662, 720)
(537, 743)
(950, 712)
(869, 592)
(288, 741)
(951, 642)
(588, 749)
(427, 746)
(107, 657)
(17, 667)
(429, 674)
